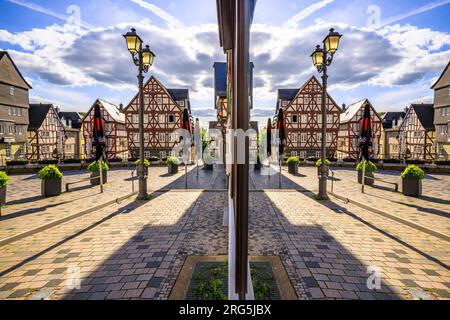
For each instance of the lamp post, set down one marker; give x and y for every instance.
(322, 59)
(143, 58)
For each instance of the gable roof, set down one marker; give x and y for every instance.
(6, 54)
(389, 118)
(425, 113)
(437, 84)
(180, 95)
(352, 110)
(292, 94)
(75, 117)
(37, 114)
(112, 110)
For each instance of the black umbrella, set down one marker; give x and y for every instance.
(186, 125)
(99, 133)
(281, 126)
(269, 138)
(365, 138)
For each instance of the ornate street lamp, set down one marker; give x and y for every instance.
(143, 59)
(322, 59)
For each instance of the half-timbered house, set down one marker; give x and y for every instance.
(116, 135)
(349, 132)
(418, 134)
(163, 116)
(303, 113)
(390, 140)
(72, 122)
(46, 135)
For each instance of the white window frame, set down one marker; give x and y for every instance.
(304, 137)
(294, 154)
(162, 154)
(11, 91)
(303, 154)
(161, 118)
(8, 152)
(162, 137)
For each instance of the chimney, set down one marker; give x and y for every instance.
(121, 107)
(344, 107)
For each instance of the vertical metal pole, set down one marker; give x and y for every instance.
(185, 176)
(100, 170)
(279, 174)
(143, 195)
(323, 176)
(364, 174)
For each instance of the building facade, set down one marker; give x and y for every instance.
(442, 114)
(303, 115)
(163, 115)
(14, 104)
(349, 132)
(390, 140)
(418, 134)
(73, 122)
(46, 135)
(116, 135)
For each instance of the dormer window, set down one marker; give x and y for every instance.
(181, 103)
(11, 91)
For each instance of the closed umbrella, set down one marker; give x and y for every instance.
(281, 127)
(186, 125)
(198, 143)
(99, 140)
(365, 139)
(269, 138)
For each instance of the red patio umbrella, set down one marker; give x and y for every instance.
(281, 126)
(98, 133)
(365, 140)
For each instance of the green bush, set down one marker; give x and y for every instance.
(172, 160)
(4, 179)
(50, 172)
(94, 167)
(370, 167)
(319, 163)
(146, 163)
(413, 172)
(294, 160)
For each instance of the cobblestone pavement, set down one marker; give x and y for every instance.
(135, 250)
(432, 210)
(27, 209)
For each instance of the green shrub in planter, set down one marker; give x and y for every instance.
(94, 169)
(371, 168)
(412, 181)
(146, 163)
(319, 166)
(51, 181)
(4, 180)
(293, 163)
(172, 164)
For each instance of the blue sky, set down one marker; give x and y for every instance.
(72, 51)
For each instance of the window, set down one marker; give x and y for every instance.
(135, 119)
(19, 130)
(22, 150)
(181, 103)
(171, 118)
(11, 129)
(329, 137)
(319, 137)
(2, 129)
(318, 154)
(146, 137)
(295, 118)
(163, 155)
(330, 119)
(8, 151)
(162, 137)
(319, 118)
(294, 138)
(294, 154)
(442, 130)
(304, 118)
(417, 134)
(147, 154)
(11, 91)
(284, 103)
(449, 91)
(303, 154)
(304, 137)
(19, 112)
(172, 137)
(136, 137)
(417, 149)
(162, 118)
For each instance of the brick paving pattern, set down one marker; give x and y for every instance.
(135, 250)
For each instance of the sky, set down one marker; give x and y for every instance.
(73, 52)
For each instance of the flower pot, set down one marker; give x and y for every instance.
(293, 168)
(173, 169)
(51, 188)
(412, 188)
(3, 197)
(96, 182)
(319, 171)
(367, 181)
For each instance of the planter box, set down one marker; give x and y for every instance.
(173, 169)
(412, 188)
(293, 168)
(96, 182)
(51, 188)
(319, 171)
(367, 182)
(3, 196)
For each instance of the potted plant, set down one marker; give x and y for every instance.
(51, 181)
(172, 164)
(146, 165)
(371, 168)
(293, 163)
(4, 179)
(412, 181)
(94, 169)
(319, 166)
